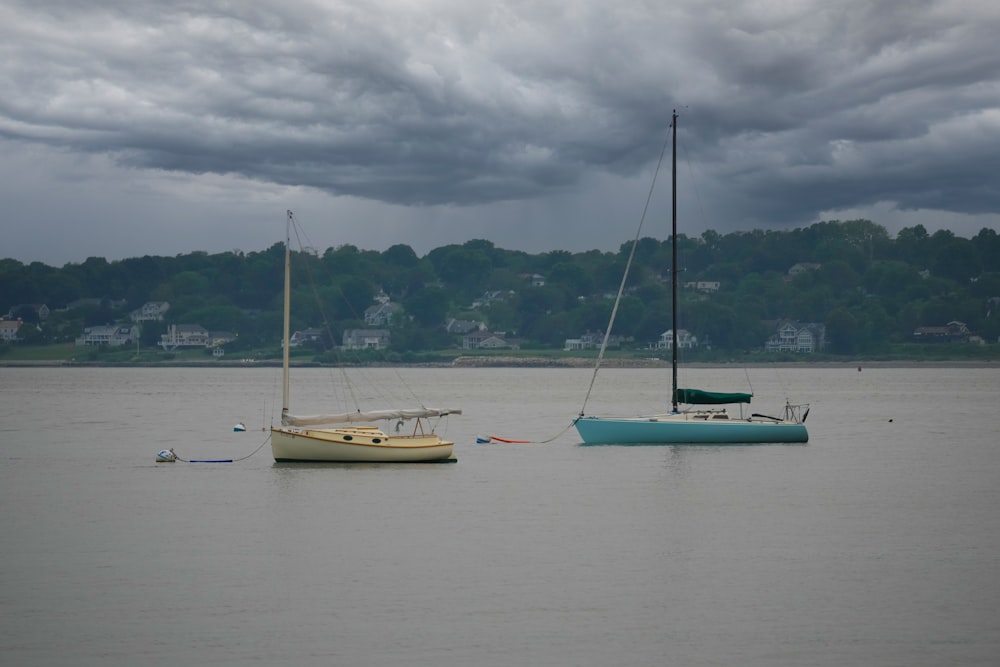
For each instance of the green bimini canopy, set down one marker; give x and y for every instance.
(699, 397)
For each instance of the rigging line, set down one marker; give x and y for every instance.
(361, 372)
(781, 382)
(275, 396)
(355, 354)
(299, 234)
(694, 186)
(628, 266)
(386, 396)
(407, 387)
(366, 375)
(345, 377)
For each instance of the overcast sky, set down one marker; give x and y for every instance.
(160, 127)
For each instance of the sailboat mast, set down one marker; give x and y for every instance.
(673, 268)
(287, 315)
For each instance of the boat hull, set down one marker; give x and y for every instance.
(683, 429)
(356, 445)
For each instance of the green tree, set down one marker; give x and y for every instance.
(571, 276)
(428, 306)
(841, 331)
(356, 295)
(956, 259)
(401, 256)
(150, 333)
(31, 334)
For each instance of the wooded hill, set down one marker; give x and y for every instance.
(870, 290)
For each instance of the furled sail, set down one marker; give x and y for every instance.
(367, 416)
(699, 397)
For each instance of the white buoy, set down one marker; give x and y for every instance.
(240, 427)
(166, 456)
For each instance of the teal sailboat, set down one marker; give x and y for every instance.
(689, 421)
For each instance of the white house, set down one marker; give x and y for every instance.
(493, 295)
(151, 311)
(110, 335)
(684, 340)
(589, 341)
(802, 267)
(8, 330)
(217, 339)
(494, 343)
(708, 286)
(534, 279)
(796, 337)
(473, 339)
(305, 336)
(184, 335)
(484, 340)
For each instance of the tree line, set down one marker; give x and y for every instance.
(870, 290)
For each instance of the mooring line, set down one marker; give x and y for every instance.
(162, 458)
(512, 441)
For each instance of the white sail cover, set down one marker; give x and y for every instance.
(368, 416)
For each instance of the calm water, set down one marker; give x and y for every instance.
(878, 543)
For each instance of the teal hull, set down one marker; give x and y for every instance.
(674, 430)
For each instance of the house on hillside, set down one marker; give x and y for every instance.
(801, 267)
(454, 326)
(217, 339)
(685, 340)
(381, 314)
(791, 336)
(706, 286)
(151, 311)
(184, 335)
(305, 336)
(108, 335)
(484, 340)
(953, 332)
(492, 296)
(8, 330)
(39, 310)
(366, 339)
(497, 343)
(534, 279)
(591, 340)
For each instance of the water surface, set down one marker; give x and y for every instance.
(876, 543)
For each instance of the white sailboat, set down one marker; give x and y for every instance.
(694, 425)
(315, 438)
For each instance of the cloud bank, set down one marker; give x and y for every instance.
(133, 127)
